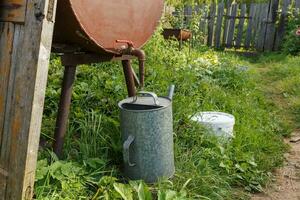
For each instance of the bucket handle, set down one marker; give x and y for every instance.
(126, 147)
(153, 95)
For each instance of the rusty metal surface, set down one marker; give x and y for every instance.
(12, 10)
(96, 25)
(179, 34)
(64, 109)
(129, 78)
(90, 58)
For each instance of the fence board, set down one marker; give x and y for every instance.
(226, 21)
(188, 12)
(211, 22)
(271, 20)
(297, 4)
(203, 21)
(250, 26)
(262, 26)
(231, 28)
(218, 29)
(282, 24)
(257, 24)
(240, 27)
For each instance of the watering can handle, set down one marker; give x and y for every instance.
(153, 95)
(126, 147)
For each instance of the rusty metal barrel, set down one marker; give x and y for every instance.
(95, 25)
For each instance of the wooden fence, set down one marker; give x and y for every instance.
(259, 26)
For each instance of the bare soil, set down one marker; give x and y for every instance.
(287, 179)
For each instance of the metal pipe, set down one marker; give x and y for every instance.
(129, 78)
(64, 109)
(140, 54)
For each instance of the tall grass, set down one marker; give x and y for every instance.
(207, 167)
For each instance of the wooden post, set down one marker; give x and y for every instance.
(25, 45)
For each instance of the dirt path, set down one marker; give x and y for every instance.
(287, 184)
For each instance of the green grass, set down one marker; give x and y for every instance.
(206, 167)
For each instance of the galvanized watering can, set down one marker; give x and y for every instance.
(147, 134)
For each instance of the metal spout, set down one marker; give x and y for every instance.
(171, 92)
(141, 56)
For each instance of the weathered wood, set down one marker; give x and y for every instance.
(297, 4)
(240, 27)
(257, 24)
(188, 13)
(218, 29)
(231, 28)
(262, 27)
(226, 21)
(203, 22)
(12, 10)
(282, 24)
(250, 26)
(271, 20)
(6, 31)
(25, 89)
(211, 23)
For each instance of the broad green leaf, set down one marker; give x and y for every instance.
(125, 192)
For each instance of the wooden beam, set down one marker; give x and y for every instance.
(12, 10)
(25, 67)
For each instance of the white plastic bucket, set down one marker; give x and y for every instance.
(222, 124)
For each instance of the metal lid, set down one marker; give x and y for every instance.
(214, 117)
(148, 101)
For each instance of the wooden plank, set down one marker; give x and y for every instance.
(257, 22)
(271, 20)
(25, 98)
(211, 23)
(226, 21)
(250, 26)
(203, 22)
(297, 4)
(6, 30)
(262, 27)
(218, 29)
(282, 24)
(231, 28)
(12, 10)
(188, 12)
(240, 27)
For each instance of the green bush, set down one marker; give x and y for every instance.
(291, 43)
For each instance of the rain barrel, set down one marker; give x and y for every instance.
(95, 25)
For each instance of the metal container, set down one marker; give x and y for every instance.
(222, 124)
(179, 34)
(147, 133)
(95, 25)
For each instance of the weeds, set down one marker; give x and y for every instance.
(206, 168)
